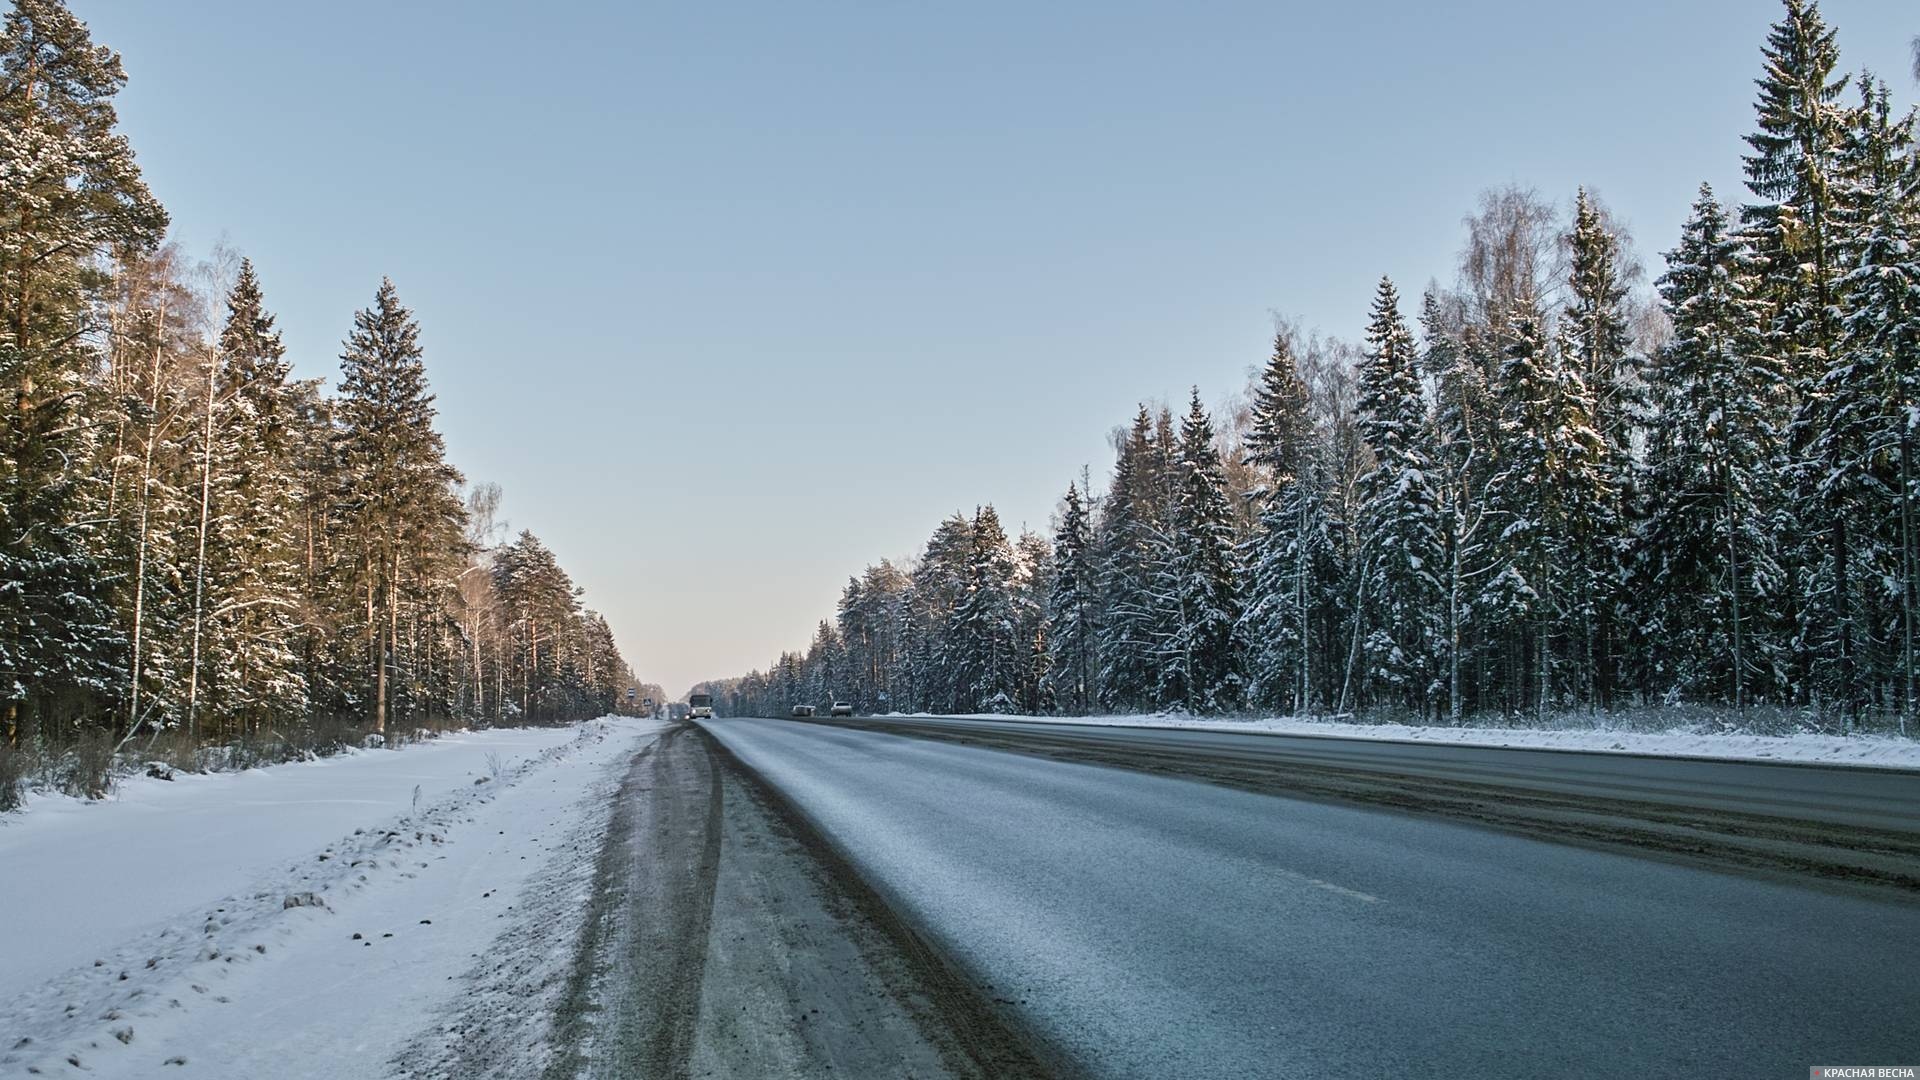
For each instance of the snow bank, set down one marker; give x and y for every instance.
(211, 919)
(1875, 750)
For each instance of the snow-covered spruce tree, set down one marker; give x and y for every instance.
(1874, 386)
(1588, 571)
(1399, 513)
(538, 603)
(1792, 172)
(852, 618)
(246, 583)
(1071, 608)
(1031, 588)
(940, 585)
(1280, 583)
(826, 665)
(1524, 498)
(1200, 666)
(1132, 548)
(986, 652)
(69, 194)
(1597, 341)
(1707, 558)
(405, 518)
(1795, 231)
(870, 616)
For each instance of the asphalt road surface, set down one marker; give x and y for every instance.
(1141, 903)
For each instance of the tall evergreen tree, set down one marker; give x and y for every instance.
(1598, 345)
(1874, 386)
(984, 642)
(247, 578)
(1072, 608)
(401, 495)
(1132, 542)
(1399, 513)
(70, 193)
(1707, 553)
(1523, 497)
(1200, 663)
(1031, 589)
(1280, 581)
(1795, 232)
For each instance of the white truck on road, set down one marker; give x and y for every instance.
(699, 706)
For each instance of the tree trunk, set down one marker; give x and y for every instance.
(200, 557)
(1733, 576)
(1843, 616)
(1909, 595)
(140, 558)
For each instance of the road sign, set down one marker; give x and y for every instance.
(632, 692)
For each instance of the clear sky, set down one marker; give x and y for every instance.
(736, 298)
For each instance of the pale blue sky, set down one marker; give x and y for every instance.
(736, 298)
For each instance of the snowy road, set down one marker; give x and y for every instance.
(1844, 822)
(1152, 926)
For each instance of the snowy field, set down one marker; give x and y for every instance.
(1876, 750)
(298, 920)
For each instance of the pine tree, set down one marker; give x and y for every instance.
(1131, 552)
(987, 654)
(1597, 344)
(401, 503)
(1200, 662)
(1795, 232)
(1708, 559)
(69, 194)
(1792, 170)
(937, 660)
(539, 603)
(1873, 388)
(1031, 588)
(826, 665)
(1280, 582)
(1399, 513)
(1072, 607)
(247, 579)
(1522, 495)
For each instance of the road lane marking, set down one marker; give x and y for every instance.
(1338, 890)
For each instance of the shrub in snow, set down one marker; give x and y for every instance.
(86, 770)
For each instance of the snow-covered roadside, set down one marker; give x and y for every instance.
(211, 927)
(1876, 750)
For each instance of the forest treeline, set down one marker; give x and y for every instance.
(192, 539)
(1549, 491)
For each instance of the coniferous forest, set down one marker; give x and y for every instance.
(197, 545)
(1552, 486)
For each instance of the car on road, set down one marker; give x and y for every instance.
(840, 708)
(700, 706)
(803, 710)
